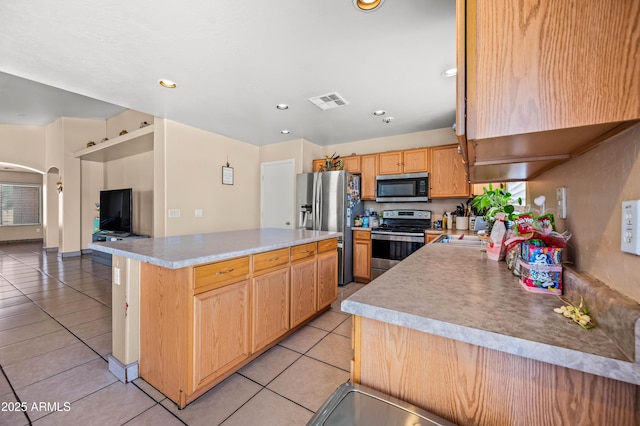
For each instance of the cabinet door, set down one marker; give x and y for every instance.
(303, 290)
(535, 65)
(327, 279)
(270, 317)
(221, 331)
(317, 165)
(362, 256)
(448, 178)
(390, 163)
(369, 170)
(415, 160)
(351, 164)
(430, 237)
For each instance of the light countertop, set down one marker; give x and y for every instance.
(456, 292)
(188, 250)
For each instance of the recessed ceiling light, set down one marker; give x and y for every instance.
(379, 112)
(285, 132)
(282, 107)
(167, 83)
(451, 72)
(367, 5)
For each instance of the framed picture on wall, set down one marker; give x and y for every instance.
(227, 175)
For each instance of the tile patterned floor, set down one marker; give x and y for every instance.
(55, 337)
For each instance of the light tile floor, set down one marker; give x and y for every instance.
(55, 337)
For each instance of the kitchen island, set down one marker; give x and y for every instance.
(454, 333)
(189, 311)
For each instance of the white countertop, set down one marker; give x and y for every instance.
(188, 250)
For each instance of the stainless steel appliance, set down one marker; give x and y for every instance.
(401, 233)
(328, 201)
(353, 404)
(408, 187)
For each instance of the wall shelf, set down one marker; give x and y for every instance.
(132, 143)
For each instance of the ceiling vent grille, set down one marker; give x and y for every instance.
(329, 101)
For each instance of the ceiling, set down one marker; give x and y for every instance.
(233, 61)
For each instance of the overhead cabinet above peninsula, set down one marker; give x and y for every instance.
(542, 81)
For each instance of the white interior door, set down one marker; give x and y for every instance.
(277, 194)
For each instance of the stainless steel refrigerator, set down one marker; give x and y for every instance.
(329, 201)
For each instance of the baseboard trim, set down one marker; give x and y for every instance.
(124, 373)
(70, 254)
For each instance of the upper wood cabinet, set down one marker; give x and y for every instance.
(409, 161)
(317, 165)
(369, 171)
(541, 81)
(350, 164)
(447, 178)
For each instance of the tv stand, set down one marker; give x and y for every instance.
(105, 258)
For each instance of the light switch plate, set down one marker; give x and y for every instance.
(630, 227)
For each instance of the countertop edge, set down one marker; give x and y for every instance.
(589, 363)
(207, 258)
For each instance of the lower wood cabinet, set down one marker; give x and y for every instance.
(270, 312)
(362, 256)
(327, 278)
(198, 325)
(430, 237)
(221, 331)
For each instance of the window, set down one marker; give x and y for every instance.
(518, 190)
(20, 204)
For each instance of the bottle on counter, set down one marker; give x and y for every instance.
(444, 221)
(365, 222)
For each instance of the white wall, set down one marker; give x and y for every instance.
(597, 183)
(23, 145)
(194, 160)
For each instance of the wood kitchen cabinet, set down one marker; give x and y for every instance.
(536, 87)
(270, 302)
(350, 164)
(327, 273)
(304, 283)
(361, 256)
(448, 177)
(369, 171)
(408, 161)
(430, 237)
(317, 165)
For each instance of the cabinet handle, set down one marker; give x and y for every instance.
(305, 251)
(273, 259)
(226, 271)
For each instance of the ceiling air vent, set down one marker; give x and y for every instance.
(329, 101)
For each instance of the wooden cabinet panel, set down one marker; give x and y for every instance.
(327, 279)
(390, 163)
(369, 171)
(270, 313)
(448, 177)
(317, 165)
(221, 273)
(415, 160)
(327, 245)
(430, 237)
(303, 290)
(221, 331)
(303, 250)
(362, 256)
(270, 259)
(351, 163)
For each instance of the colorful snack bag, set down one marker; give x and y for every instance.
(524, 224)
(546, 223)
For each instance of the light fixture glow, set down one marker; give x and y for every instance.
(167, 83)
(367, 5)
(282, 107)
(451, 72)
(285, 132)
(379, 112)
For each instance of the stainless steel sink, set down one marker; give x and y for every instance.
(463, 240)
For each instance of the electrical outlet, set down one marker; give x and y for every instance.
(198, 213)
(116, 276)
(561, 196)
(174, 212)
(630, 227)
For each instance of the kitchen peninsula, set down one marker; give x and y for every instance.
(188, 311)
(454, 333)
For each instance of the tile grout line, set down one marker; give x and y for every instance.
(14, 393)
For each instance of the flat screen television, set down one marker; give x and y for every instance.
(116, 213)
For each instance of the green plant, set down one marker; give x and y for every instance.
(493, 201)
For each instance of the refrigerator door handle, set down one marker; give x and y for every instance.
(320, 200)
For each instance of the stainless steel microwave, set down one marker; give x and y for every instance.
(402, 188)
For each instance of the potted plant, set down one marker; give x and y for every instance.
(493, 201)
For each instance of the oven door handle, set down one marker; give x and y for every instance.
(395, 236)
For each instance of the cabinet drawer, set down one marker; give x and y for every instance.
(327, 245)
(361, 235)
(221, 272)
(270, 259)
(302, 251)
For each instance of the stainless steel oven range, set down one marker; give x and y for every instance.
(401, 233)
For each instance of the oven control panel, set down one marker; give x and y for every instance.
(406, 214)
